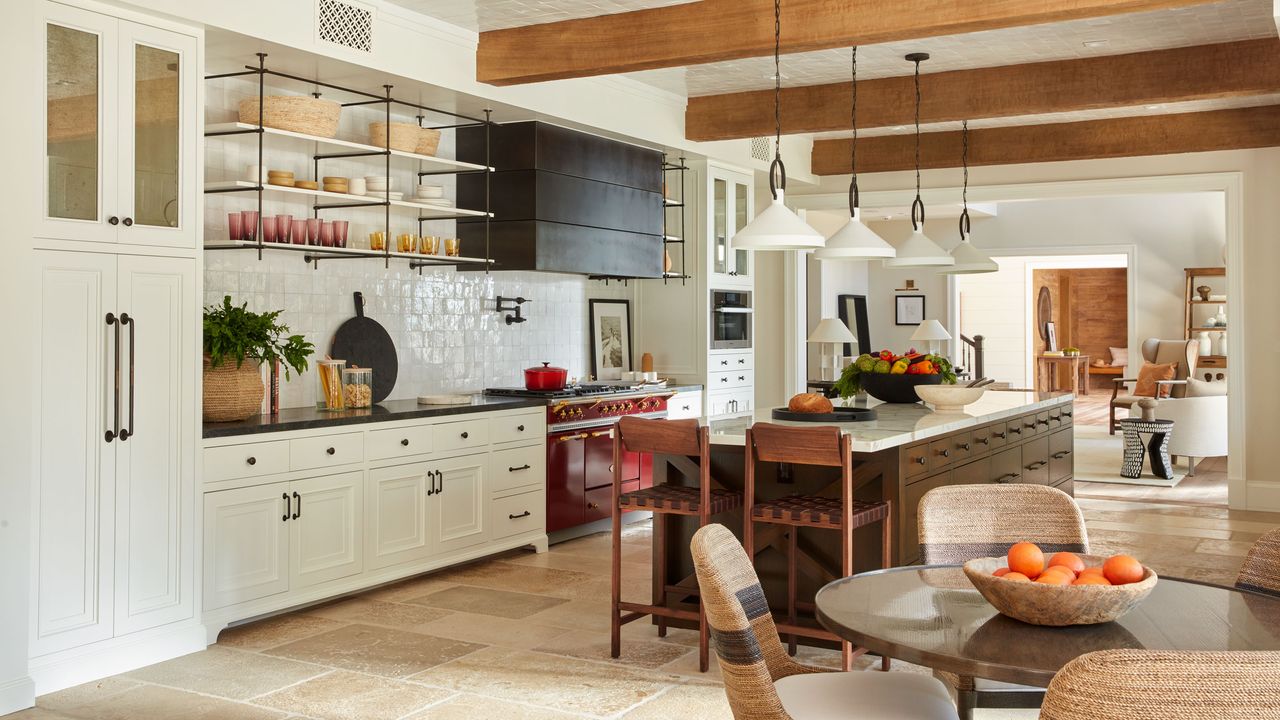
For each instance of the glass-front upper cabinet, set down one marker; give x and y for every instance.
(120, 121)
(730, 204)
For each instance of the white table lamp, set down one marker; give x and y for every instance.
(834, 331)
(931, 331)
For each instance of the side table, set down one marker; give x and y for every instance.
(1157, 447)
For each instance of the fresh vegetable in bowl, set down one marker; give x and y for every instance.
(886, 362)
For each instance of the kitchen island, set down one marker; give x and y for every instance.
(907, 450)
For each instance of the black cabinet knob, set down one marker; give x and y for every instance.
(113, 220)
(944, 453)
(252, 460)
(919, 460)
(963, 446)
(330, 451)
(127, 221)
(465, 435)
(742, 361)
(405, 442)
(982, 441)
(519, 428)
(999, 435)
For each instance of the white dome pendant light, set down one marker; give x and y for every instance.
(854, 241)
(918, 250)
(969, 259)
(777, 228)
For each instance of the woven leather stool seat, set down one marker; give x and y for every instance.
(676, 499)
(814, 511)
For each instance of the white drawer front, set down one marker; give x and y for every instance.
(686, 404)
(730, 403)
(730, 361)
(399, 442)
(463, 435)
(518, 467)
(514, 428)
(249, 460)
(519, 514)
(326, 451)
(732, 380)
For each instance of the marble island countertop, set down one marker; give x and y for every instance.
(899, 424)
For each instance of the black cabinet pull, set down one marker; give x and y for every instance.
(331, 451)
(113, 220)
(999, 435)
(519, 428)
(113, 321)
(518, 468)
(982, 441)
(1043, 422)
(252, 460)
(431, 482)
(1029, 426)
(742, 378)
(524, 514)
(1037, 465)
(724, 362)
(286, 506)
(724, 379)
(742, 361)
(127, 432)
(128, 221)
(405, 442)
(1060, 455)
(465, 434)
(963, 446)
(1006, 477)
(944, 453)
(297, 511)
(686, 407)
(919, 460)
(1016, 431)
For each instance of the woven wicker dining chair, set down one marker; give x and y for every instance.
(1261, 569)
(1151, 685)
(958, 523)
(762, 682)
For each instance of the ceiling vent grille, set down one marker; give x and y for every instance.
(761, 148)
(345, 23)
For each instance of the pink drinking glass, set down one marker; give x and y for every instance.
(340, 232)
(235, 226)
(326, 233)
(250, 220)
(313, 231)
(298, 233)
(269, 229)
(284, 223)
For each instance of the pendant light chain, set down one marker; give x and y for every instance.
(853, 120)
(781, 184)
(964, 192)
(917, 207)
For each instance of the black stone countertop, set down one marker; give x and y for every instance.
(311, 418)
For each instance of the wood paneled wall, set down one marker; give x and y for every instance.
(1090, 308)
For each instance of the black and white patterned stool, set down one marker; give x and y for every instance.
(1157, 446)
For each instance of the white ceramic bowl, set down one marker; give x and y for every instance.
(949, 398)
(379, 182)
(430, 191)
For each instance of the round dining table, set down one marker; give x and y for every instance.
(932, 616)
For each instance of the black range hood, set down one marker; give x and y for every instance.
(564, 201)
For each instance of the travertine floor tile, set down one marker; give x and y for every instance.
(86, 694)
(500, 575)
(596, 646)
(152, 702)
(702, 701)
(375, 650)
(351, 696)
(582, 615)
(487, 601)
(226, 673)
(490, 630)
(275, 631)
(377, 612)
(473, 707)
(408, 589)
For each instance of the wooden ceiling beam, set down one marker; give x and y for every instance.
(1250, 67)
(1058, 142)
(713, 30)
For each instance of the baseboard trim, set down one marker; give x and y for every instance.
(68, 668)
(17, 694)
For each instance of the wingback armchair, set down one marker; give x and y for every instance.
(1183, 352)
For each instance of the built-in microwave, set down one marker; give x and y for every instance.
(730, 319)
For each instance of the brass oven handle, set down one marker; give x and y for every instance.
(602, 433)
(566, 438)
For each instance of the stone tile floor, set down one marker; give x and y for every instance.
(525, 637)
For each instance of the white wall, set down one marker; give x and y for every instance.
(994, 306)
(827, 280)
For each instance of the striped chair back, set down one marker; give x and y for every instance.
(1151, 685)
(961, 522)
(1261, 569)
(746, 641)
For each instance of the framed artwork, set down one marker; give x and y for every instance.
(908, 309)
(852, 310)
(610, 327)
(1051, 336)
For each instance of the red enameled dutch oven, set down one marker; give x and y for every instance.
(545, 378)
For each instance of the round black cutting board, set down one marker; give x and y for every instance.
(363, 342)
(839, 414)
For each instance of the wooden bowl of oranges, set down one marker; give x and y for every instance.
(1061, 589)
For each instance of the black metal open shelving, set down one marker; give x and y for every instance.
(312, 253)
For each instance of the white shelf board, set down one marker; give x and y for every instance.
(432, 162)
(425, 210)
(354, 252)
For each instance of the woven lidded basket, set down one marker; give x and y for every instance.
(428, 141)
(404, 136)
(296, 113)
(231, 393)
(1057, 605)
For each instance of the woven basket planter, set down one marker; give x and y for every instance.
(1057, 605)
(404, 136)
(231, 393)
(428, 141)
(307, 115)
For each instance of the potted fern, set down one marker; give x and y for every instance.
(236, 342)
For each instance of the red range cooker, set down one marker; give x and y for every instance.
(580, 424)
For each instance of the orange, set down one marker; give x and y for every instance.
(1060, 570)
(1091, 571)
(1091, 579)
(1026, 558)
(1055, 578)
(1001, 572)
(1067, 560)
(1016, 577)
(1122, 570)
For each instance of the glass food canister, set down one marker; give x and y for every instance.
(357, 387)
(330, 374)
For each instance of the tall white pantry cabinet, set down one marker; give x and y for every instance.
(116, 313)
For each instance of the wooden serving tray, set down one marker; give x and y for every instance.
(840, 414)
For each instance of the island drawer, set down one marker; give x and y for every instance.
(1006, 466)
(1060, 450)
(985, 438)
(1035, 461)
(1016, 432)
(1043, 424)
(915, 460)
(977, 472)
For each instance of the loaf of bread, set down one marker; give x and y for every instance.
(809, 403)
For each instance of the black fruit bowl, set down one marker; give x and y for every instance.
(895, 388)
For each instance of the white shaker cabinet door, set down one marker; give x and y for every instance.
(326, 528)
(155, 460)
(246, 544)
(458, 502)
(74, 470)
(396, 512)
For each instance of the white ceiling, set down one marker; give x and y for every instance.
(1196, 25)
(481, 15)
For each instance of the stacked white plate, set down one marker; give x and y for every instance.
(441, 202)
(392, 195)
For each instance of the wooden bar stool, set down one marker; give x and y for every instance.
(821, 446)
(665, 437)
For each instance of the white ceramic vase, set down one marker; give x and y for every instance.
(1206, 343)
(1220, 344)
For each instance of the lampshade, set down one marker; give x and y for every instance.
(855, 241)
(919, 251)
(969, 260)
(831, 330)
(930, 330)
(777, 228)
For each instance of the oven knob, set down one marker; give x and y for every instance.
(577, 412)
